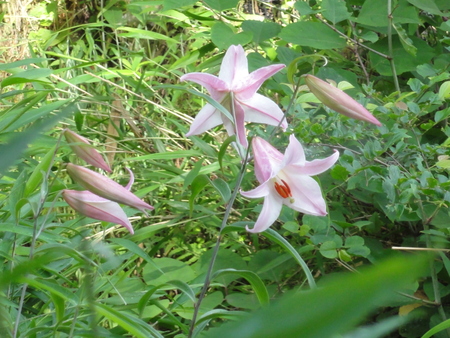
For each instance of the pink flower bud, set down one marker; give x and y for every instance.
(338, 100)
(103, 186)
(84, 150)
(91, 205)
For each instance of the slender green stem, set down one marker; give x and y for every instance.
(391, 58)
(217, 245)
(434, 277)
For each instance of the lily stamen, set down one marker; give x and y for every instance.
(283, 189)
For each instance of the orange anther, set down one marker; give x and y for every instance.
(283, 189)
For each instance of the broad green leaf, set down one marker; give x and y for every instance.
(405, 40)
(221, 5)
(223, 36)
(375, 13)
(404, 62)
(261, 30)
(329, 249)
(353, 241)
(328, 310)
(256, 282)
(303, 8)
(29, 75)
(335, 10)
(114, 16)
(444, 90)
(312, 34)
(427, 5)
(443, 164)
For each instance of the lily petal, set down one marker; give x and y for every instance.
(260, 109)
(250, 85)
(84, 150)
(261, 191)
(208, 117)
(240, 125)
(294, 154)
(270, 211)
(213, 84)
(234, 65)
(104, 187)
(318, 166)
(338, 100)
(267, 159)
(307, 196)
(93, 206)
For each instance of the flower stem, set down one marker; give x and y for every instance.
(390, 53)
(217, 245)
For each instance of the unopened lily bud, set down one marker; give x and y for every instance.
(338, 100)
(84, 150)
(93, 206)
(105, 187)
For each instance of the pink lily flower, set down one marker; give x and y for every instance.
(104, 187)
(286, 179)
(93, 206)
(338, 100)
(235, 89)
(84, 150)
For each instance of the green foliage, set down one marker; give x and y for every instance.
(110, 71)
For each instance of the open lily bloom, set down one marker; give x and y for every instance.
(235, 89)
(338, 100)
(84, 150)
(105, 187)
(286, 179)
(91, 205)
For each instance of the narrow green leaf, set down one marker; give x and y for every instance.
(223, 189)
(197, 186)
(405, 40)
(192, 174)
(134, 248)
(143, 34)
(20, 63)
(223, 149)
(36, 176)
(29, 75)
(14, 147)
(137, 327)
